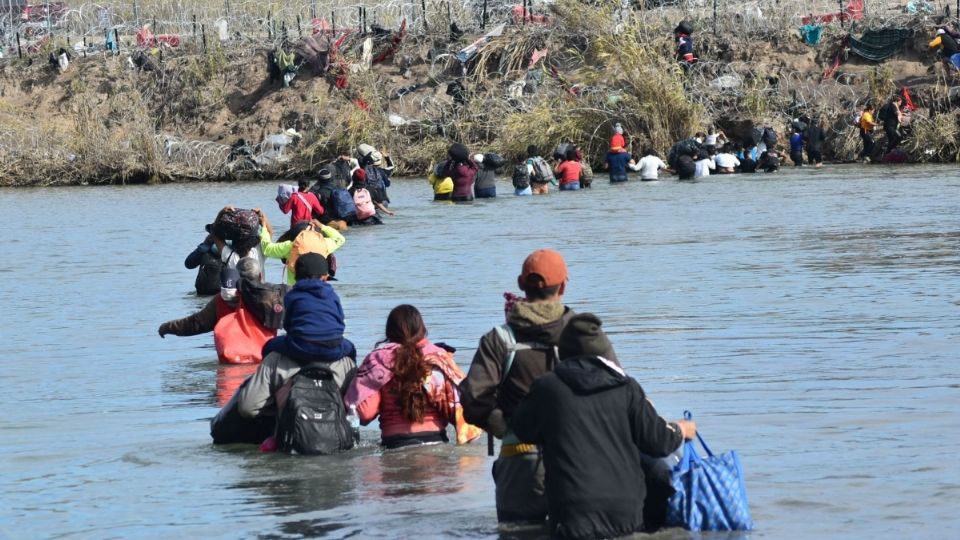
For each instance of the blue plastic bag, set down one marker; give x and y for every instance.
(711, 495)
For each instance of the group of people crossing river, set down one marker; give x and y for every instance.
(546, 381)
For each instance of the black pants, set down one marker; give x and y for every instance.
(868, 143)
(893, 137)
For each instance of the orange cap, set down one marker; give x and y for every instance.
(543, 268)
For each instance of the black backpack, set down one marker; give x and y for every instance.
(313, 420)
(769, 137)
(521, 177)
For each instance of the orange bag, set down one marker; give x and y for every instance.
(239, 338)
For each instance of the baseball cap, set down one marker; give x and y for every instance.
(311, 265)
(543, 268)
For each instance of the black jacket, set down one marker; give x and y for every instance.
(592, 423)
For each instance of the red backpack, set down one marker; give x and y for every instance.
(365, 208)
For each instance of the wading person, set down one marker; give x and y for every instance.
(569, 170)
(462, 170)
(508, 359)
(314, 322)
(207, 258)
(540, 173)
(595, 427)
(409, 383)
(617, 161)
(649, 166)
(302, 205)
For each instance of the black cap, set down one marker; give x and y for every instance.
(324, 174)
(311, 266)
(229, 278)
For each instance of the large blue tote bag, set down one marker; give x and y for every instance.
(711, 495)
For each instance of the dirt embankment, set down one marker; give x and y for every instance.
(105, 120)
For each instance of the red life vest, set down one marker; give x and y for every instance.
(239, 338)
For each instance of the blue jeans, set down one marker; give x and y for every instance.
(485, 193)
(573, 186)
(525, 191)
(614, 178)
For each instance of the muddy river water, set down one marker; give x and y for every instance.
(809, 319)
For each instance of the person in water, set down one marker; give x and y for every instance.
(409, 383)
(224, 303)
(462, 170)
(508, 359)
(705, 164)
(569, 171)
(796, 146)
(237, 317)
(650, 166)
(207, 258)
(617, 161)
(302, 205)
(485, 186)
(539, 171)
(314, 324)
(442, 185)
(726, 160)
(306, 236)
(596, 426)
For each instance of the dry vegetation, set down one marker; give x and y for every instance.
(104, 122)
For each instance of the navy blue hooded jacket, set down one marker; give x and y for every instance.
(314, 323)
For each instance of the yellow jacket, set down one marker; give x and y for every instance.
(440, 186)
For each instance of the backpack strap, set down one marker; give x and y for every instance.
(506, 335)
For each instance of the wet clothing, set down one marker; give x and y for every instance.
(202, 321)
(592, 423)
(281, 250)
(377, 180)
(649, 167)
(568, 172)
(487, 392)
(463, 175)
(302, 207)
(704, 166)
(686, 167)
(617, 162)
(796, 149)
(385, 403)
(209, 263)
(572, 186)
(314, 322)
(485, 185)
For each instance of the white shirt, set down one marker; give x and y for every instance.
(711, 139)
(703, 168)
(648, 167)
(726, 161)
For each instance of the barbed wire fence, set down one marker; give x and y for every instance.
(88, 27)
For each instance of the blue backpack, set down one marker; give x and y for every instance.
(343, 205)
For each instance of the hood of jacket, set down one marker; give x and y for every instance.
(539, 321)
(590, 374)
(314, 323)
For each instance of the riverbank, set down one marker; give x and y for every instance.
(175, 118)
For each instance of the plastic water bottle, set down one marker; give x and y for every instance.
(354, 419)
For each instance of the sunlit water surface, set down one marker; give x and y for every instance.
(809, 319)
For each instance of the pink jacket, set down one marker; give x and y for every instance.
(374, 395)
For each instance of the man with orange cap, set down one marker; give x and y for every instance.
(509, 358)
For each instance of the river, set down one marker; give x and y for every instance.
(807, 318)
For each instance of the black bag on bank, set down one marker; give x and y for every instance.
(313, 420)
